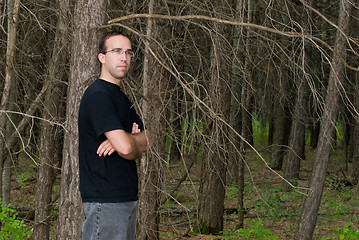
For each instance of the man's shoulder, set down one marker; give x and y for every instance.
(97, 87)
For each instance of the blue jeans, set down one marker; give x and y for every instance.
(109, 221)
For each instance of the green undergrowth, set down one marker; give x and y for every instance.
(271, 212)
(254, 230)
(11, 227)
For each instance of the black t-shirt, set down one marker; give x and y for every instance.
(104, 107)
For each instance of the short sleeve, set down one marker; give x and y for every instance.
(102, 113)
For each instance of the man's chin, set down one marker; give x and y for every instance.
(121, 76)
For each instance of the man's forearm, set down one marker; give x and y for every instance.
(129, 146)
(143, 141)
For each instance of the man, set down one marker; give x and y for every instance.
(111, 137)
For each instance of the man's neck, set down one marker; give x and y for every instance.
(111, 80)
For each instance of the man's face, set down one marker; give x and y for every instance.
(116, 61)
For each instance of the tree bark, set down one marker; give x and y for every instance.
(355, 135)
(246, 130)
(311, 204)
(89, 15)
(235, 110)
(213, 172)
(355, 173)
(51, 135)
(297, 137)
(13, 7)
(280, 128)
(155, 84)
(296, 148)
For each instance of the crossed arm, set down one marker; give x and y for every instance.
(127, 145)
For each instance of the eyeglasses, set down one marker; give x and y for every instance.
(119, 51)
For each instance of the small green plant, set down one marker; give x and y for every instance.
(347, 232)
(54, 213)
(33, 166)
(23, 177)
(12, 228)
(255, 230)
(167, 235)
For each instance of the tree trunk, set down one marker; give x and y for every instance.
(235, 110)
(13, 7)
(280, 128)
(296, 148)
(314, 133)
(6, 181)
(89, 15)
(355, 134)
(311, 205)
(155, 83)
(243, 145)
(51, 135)
(213, 172)
(297, 137)
(246, 114)
(9, 158)
(355, 172)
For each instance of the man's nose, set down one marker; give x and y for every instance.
(123, 55)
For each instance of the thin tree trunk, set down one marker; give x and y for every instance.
(9, 158)
(6, 181)
(13, 7)
(355, 137)
(88, 17)
(235, 110)
(280, 128)
(311, 205)
(155, 83)
(297, 137)
(355, 142)
(246, 115)
(297, 134)
(243, 145)
(213, 172)
(314, 133)
(51, 135)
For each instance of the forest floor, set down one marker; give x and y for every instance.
(271, 213)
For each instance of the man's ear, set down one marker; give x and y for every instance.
(101, 57)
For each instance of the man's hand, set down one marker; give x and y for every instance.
(105, 149)
(135, 128)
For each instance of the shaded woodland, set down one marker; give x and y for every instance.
(205, 77)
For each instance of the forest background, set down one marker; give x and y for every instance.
(253, 106)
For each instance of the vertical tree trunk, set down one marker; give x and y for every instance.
(311, 205)
(297, 137)
(155, 83)
(246, 98)
(235, 109)
(213, 172)
(355, 136)
(89, 15)
(51, 135)
(297, 134)
(280, 128)
(246, 114)
(314, 134)
(355, 142)
(13, 7)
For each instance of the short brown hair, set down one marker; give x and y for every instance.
(107, 35)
